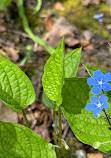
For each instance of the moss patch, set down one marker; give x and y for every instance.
(83, 16)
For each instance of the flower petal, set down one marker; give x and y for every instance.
(106, 87)
(103, 98)
(90, 81)
(90, 107)
(96, 112)
(96, 89)
(107, 77)
(93, 99)
(105, 105)
(99, 110)
(98, 75)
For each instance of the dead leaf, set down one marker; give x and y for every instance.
(49, 22)
(71, 41)
(84, 42)
(61, 28)
(87, 2)
(12, 52)
(89, 47)
(95, 155)
(2, 29)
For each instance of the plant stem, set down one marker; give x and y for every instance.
(29, 31)
(107, 117)
(38, 6)
(54, 121)
(60, 125)
(26, 120)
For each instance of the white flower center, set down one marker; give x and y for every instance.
(100, 82)
(99, 105)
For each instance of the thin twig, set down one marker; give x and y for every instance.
(65, 131)
(18, 33)
(107, 117)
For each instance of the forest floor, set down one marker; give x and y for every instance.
(77, 24)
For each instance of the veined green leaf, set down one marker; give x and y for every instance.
(91, 69)
(87, 128)
(16, 90)
(71, 63)
(4, 3)
(53, 77)
(17, 141)
(48, 102)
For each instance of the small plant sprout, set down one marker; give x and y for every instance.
(63, 92)
(65, 144)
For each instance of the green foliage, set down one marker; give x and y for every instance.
(29, 52)
(86, 127)
(20, 142)
(91, 69)
(71, 63)
(16, 90)
(38, 6)
(60, 88)
(105, 8)
(4, 3)
(53, 77)
(48, 102)
(27, 29)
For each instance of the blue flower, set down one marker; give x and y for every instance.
(100, 20)
(99, 81)
(97, 104)
(53, 124)
(97, 16)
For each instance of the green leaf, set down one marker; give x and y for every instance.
(91, 69)
(16, 90)
(86, 127)
(53, 77)
(71, 63)
(4, 3)
(48, 102)
(20, 142)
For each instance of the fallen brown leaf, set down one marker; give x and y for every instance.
(95, 155)
(89, 47)
(12, 52)
(87, 2)
(49, 22)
